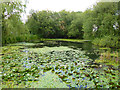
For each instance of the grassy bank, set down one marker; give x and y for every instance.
(67, 40)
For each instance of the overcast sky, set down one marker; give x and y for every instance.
(58, 5)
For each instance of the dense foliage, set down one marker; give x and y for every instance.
(13, 29)
(100, 24)
(48, 24)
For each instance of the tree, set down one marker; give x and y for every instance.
(88, 23)
(103, 17)
(12, 26)
(48, 24)
(75, 28)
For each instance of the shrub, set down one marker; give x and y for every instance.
(109, 41)
(96, 41)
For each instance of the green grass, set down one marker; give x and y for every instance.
(104, 48)
(68, 40)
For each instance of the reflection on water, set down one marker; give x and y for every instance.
(90, 50)
(88, 47)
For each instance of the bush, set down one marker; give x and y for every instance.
(33, 37)
(96, 41)
(109, 41)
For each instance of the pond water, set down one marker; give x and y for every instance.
(57, 64)
(91, 50)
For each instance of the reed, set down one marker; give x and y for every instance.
(107, 56)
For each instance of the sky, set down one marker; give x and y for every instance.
(57, 5)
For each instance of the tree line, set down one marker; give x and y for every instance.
(48, 24)
(99, 24)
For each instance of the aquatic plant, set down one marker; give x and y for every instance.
(71, 66)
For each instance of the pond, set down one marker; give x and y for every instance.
(56, 64)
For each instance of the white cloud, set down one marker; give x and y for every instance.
(58, 5)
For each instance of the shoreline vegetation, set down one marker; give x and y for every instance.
(67, 40)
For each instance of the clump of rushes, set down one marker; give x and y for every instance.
(111, 58)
